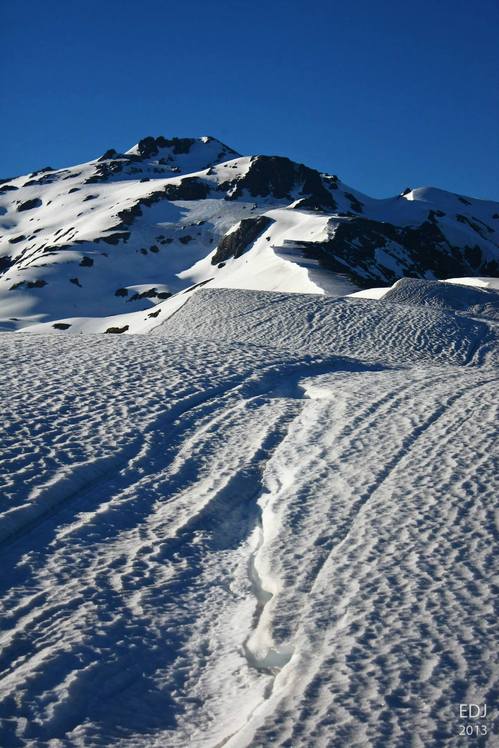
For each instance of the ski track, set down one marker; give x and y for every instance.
(232, 543)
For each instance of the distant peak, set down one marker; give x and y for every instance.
(151, 146)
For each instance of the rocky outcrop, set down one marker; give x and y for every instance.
(377, 251)
(236, 242)
(30, 204)
(279, 177)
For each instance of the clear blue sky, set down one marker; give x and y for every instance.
(385, 94)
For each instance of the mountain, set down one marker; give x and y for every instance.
(122, 233)
(270, 521)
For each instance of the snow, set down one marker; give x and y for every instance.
(237, 531)
(379, 293)
(106, 225)
(371, 330)
(131, 323)
(262, 515)
(479, 282)
(370, 293)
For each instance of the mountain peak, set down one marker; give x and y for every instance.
(156, 146)
(172, 213)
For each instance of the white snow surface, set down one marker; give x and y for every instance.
(269, 523)
(264, 514)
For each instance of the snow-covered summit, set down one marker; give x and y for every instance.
(125, 231)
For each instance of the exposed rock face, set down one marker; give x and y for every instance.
(190, 188)
(111, 153)
(5, 263)
(354, 245)
(278, 177)
(150, 146)
(235, 243)
(30, 204)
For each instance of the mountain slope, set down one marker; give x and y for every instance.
(124, 232)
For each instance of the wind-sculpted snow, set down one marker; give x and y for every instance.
(477, 302)
(379, 557)
(228, 534)
(366, 329)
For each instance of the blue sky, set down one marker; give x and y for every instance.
(385, 94)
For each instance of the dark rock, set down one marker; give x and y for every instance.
(76, 282)
(86, 262)
(279, 176)
(17, 239)
(479, 226)
(151, 293)
(235, 243)
(128, 215)
(122, 236)
(117, 330)
(178, 145)
(41, 171)
(434, 214)
(185, 239)
(473, 255)
(352, 247)
(45, 179)
(190, 188)
(109, 154)
(154, 314)
(147, 147)
(121, 292)
(73, 189)
(61, 325)
(104, 170)
(311, 203)
(29, 284)
(30, 204)
(197, 285)
(355, 204)
(5, 263)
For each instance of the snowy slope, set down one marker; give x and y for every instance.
(264, 514)
(271, 524)
(371, 330)
(123, 232)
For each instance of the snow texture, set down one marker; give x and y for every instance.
(259, 509)
(269, 523)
